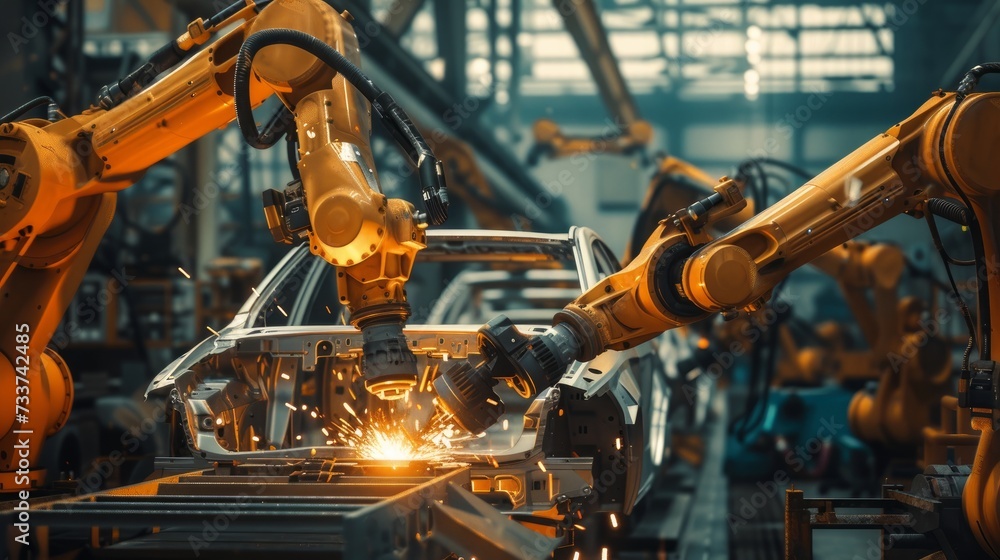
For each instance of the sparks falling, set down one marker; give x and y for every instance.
(384, 437)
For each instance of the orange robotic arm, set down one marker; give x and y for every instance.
(58, 182)
(681, 275)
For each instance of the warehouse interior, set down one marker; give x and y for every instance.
(499, 279)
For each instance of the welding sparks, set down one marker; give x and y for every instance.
(618, 443)
(285, 376)
(604, 553)
(291, 406)
(213, 331)
(385, 438)
(576, 555)
(351, 410)
(614, 521)
(283, 312)
(541, 466)
(184, 272)
(255, 292)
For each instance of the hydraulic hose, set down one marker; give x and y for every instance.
(429, 170)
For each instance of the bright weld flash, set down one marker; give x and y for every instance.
(385, 438)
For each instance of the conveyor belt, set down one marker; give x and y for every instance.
(309, 508)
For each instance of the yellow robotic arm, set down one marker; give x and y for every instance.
(58, 185)
(681, 275)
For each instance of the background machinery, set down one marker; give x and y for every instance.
(317, 380)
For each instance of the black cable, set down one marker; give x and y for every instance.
(33, 104)
(398, 123)
(760, 193)
(786, 166)
(917, 272)
(166, 57)
(325, 53)
(966, 314)
(760, 190)
(936, 238)
(950, 211)
(232, 10)
(292, 151)
(753, 415)
(965, 87)
(281, 123)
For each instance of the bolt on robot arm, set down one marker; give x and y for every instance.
(58, 185)
(948, 146)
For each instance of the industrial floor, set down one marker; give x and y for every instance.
(708, 536)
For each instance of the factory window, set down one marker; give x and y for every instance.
(691, 49)
(702, 48)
